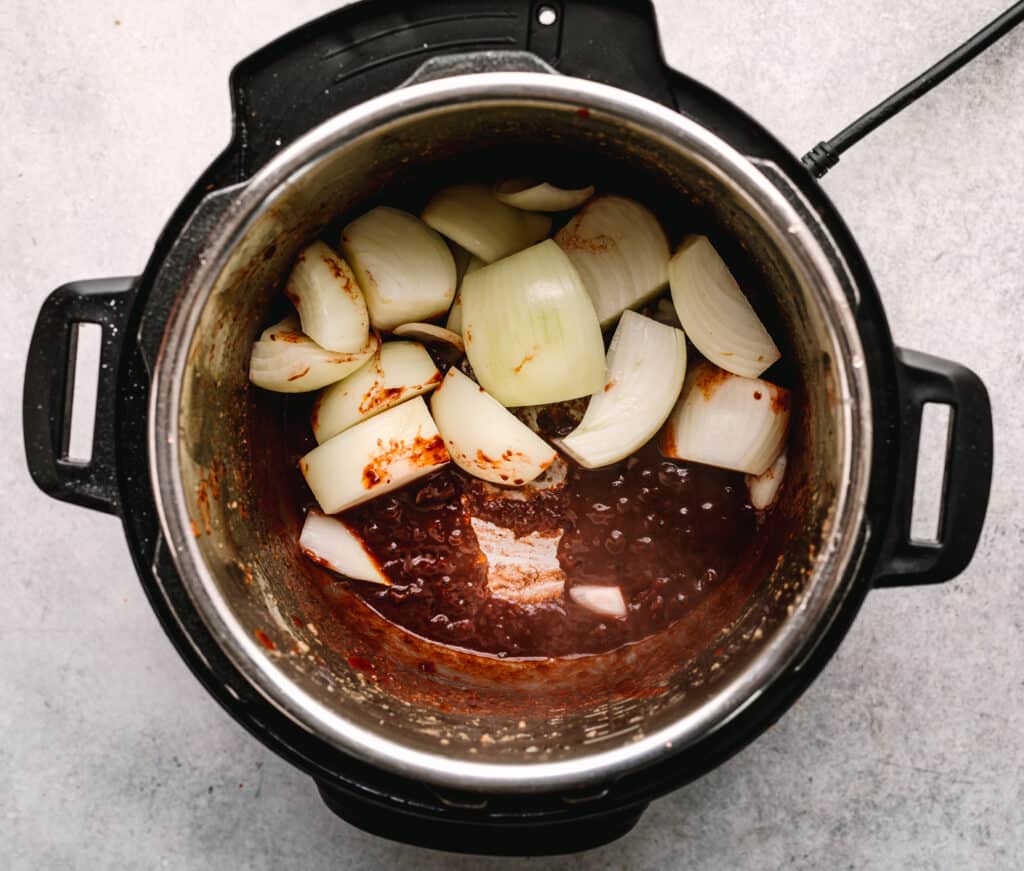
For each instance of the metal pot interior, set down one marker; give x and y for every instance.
(233, 500)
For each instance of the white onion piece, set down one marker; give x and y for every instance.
(286, 360)
(606, 601)
(541, 196)
(330, 542)
(530, 330)
(397, 372)
(374, 457)
(763, 489)
(485, 439)
(621, 253)
(405, 269)
(431, 334)
(455, 312)
(646, 367)
(716, 315)
(462, 259)
(327, 297)
(727, 420)
(471, 216)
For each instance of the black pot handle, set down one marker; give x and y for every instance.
(49, 383)
(968, 471)
(468, 827)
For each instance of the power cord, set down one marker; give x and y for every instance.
(825, 155)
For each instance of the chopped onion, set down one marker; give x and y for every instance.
(332, 543)
(606, 601)
(405, 269)
(541, 196)
(455, 312)
(727, 420)
(485, 439)
(717, 317)
(646, 367)
(764, 489)
(530, 330)
(462, 259)
(327, 297)
(471, 216)
(288, 361)
(432, 334)
(397, 372)
(621, 253)
(374, 457)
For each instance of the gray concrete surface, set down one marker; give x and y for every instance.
(906, 753)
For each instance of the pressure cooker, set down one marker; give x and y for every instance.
(476, 754)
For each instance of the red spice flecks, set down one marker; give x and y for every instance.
(376, 397)
(195, 528)
(757, 394)
(609, 385)
(533, 353)
(293, 297)
(335, 268)
(264, 639)
(667, 442)
(319, 560)
(360, 662)
(298, 621)
(708, 379)
(780, 400)
(570, 241)
(583, 113)
(299, 375)
(421, 453)
(288, 336)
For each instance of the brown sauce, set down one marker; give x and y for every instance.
(666, 532)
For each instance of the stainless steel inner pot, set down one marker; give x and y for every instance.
(476, 722)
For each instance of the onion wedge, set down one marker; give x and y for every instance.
(405, 269)
(331, 543)
(485, 439)
(764, 489)
(606, 601)
(431, 334)
(455, 312)
(327, 297)
(646, 368)
(471, 216)
(530, 330)
(716, 315)
(541, 196)
(621, 253)
(374, 457)
(286, 360)
(397, 372)
(728, 421)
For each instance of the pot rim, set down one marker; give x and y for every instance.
(792, 228)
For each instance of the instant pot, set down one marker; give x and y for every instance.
(403, 737)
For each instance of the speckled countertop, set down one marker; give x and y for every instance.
(908, 752)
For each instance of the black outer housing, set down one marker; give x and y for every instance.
(286, 89)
